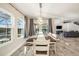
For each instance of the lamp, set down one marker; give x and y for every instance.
(40, 20)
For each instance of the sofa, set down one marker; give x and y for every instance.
(71, 34)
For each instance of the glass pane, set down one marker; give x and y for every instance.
(5, 27)
(20, 25)
(2, 33)
(44, 26)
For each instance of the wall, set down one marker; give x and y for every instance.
(66, 26)
(16, 43)
(70, 27)
(57, 22)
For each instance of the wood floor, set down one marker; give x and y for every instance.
(68, 47)
(64, 47)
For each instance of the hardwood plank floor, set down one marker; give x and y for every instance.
(64, 47)
(68, 47)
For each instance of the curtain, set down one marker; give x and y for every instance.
(26, 27)
(50, 25)
(31, 28)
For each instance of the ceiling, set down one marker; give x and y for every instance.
(49, 10)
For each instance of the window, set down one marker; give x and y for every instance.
(5, 27)
(44, 26)
(20, 24)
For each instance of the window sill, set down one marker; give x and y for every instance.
(6, 43)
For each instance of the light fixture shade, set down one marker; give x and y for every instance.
(40, 20)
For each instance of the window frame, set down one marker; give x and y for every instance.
(22, 19)
(12, 25)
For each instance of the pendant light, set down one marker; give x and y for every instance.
(40, 20)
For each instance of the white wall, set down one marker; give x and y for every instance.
(57, 22)
(70, 27)
(65, 26)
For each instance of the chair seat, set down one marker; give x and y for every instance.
(28, 44)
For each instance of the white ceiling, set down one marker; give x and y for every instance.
(66, 10)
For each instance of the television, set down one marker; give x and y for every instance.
(58, 27)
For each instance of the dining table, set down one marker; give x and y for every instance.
(53, 41)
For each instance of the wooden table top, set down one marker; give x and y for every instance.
(46, 37)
